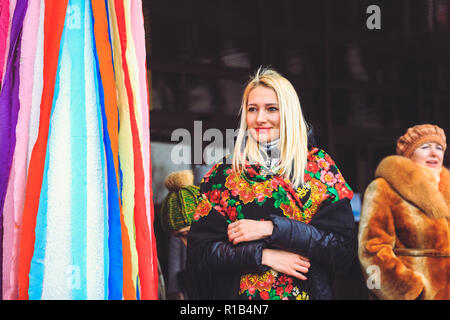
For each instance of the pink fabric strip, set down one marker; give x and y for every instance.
(4, 29)
(12, 7)
(8, 233)
(7, 14)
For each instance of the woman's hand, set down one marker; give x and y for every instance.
(249, 230)
(289, 263)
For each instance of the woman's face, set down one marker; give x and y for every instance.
(429, 154)
(263, 114)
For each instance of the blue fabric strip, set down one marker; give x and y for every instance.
(118, 119)
(115, 272)
(76, 36)
(138, 284)
(102, 154)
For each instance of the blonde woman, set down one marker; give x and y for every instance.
(274, 219)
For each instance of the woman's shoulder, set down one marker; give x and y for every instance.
(317, 154)
(322, 170)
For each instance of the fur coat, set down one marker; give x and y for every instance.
(404, 233)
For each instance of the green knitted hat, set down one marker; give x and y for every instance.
(179, 206)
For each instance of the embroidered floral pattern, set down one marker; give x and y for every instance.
(253, 283)
(247, 191)
(271, 286)
(321, 168)
(203, 208)
(253, 195)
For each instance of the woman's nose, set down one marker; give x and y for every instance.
(434, 151)
(261, 116)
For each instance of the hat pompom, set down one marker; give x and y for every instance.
(179, 179)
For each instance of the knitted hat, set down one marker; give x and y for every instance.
(179, 206)
(418, 135)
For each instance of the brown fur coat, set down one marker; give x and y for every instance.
(404, 233)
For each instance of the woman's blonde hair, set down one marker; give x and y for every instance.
(293, 143)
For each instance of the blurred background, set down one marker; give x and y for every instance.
(359, 88)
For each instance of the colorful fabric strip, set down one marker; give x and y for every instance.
(19, 164)
(36, 275)
(126, 163)
(77, 179)
(9, 106)
(10, 6)
(4, 27)
(96, 238)
(142, 229)
(55, 12)
(137, 20)
(58, 276)
(52, 220)
(108, 104)
(75, 41)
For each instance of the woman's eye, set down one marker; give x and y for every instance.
(251, 109)
(273, 109)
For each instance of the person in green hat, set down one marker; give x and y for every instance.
(178, 208)
(177, 214)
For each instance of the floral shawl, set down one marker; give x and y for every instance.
(252, 195)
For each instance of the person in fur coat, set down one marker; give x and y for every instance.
(404, 234)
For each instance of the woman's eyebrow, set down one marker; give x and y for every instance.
(266, 104)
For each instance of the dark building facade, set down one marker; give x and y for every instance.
(363, 74)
